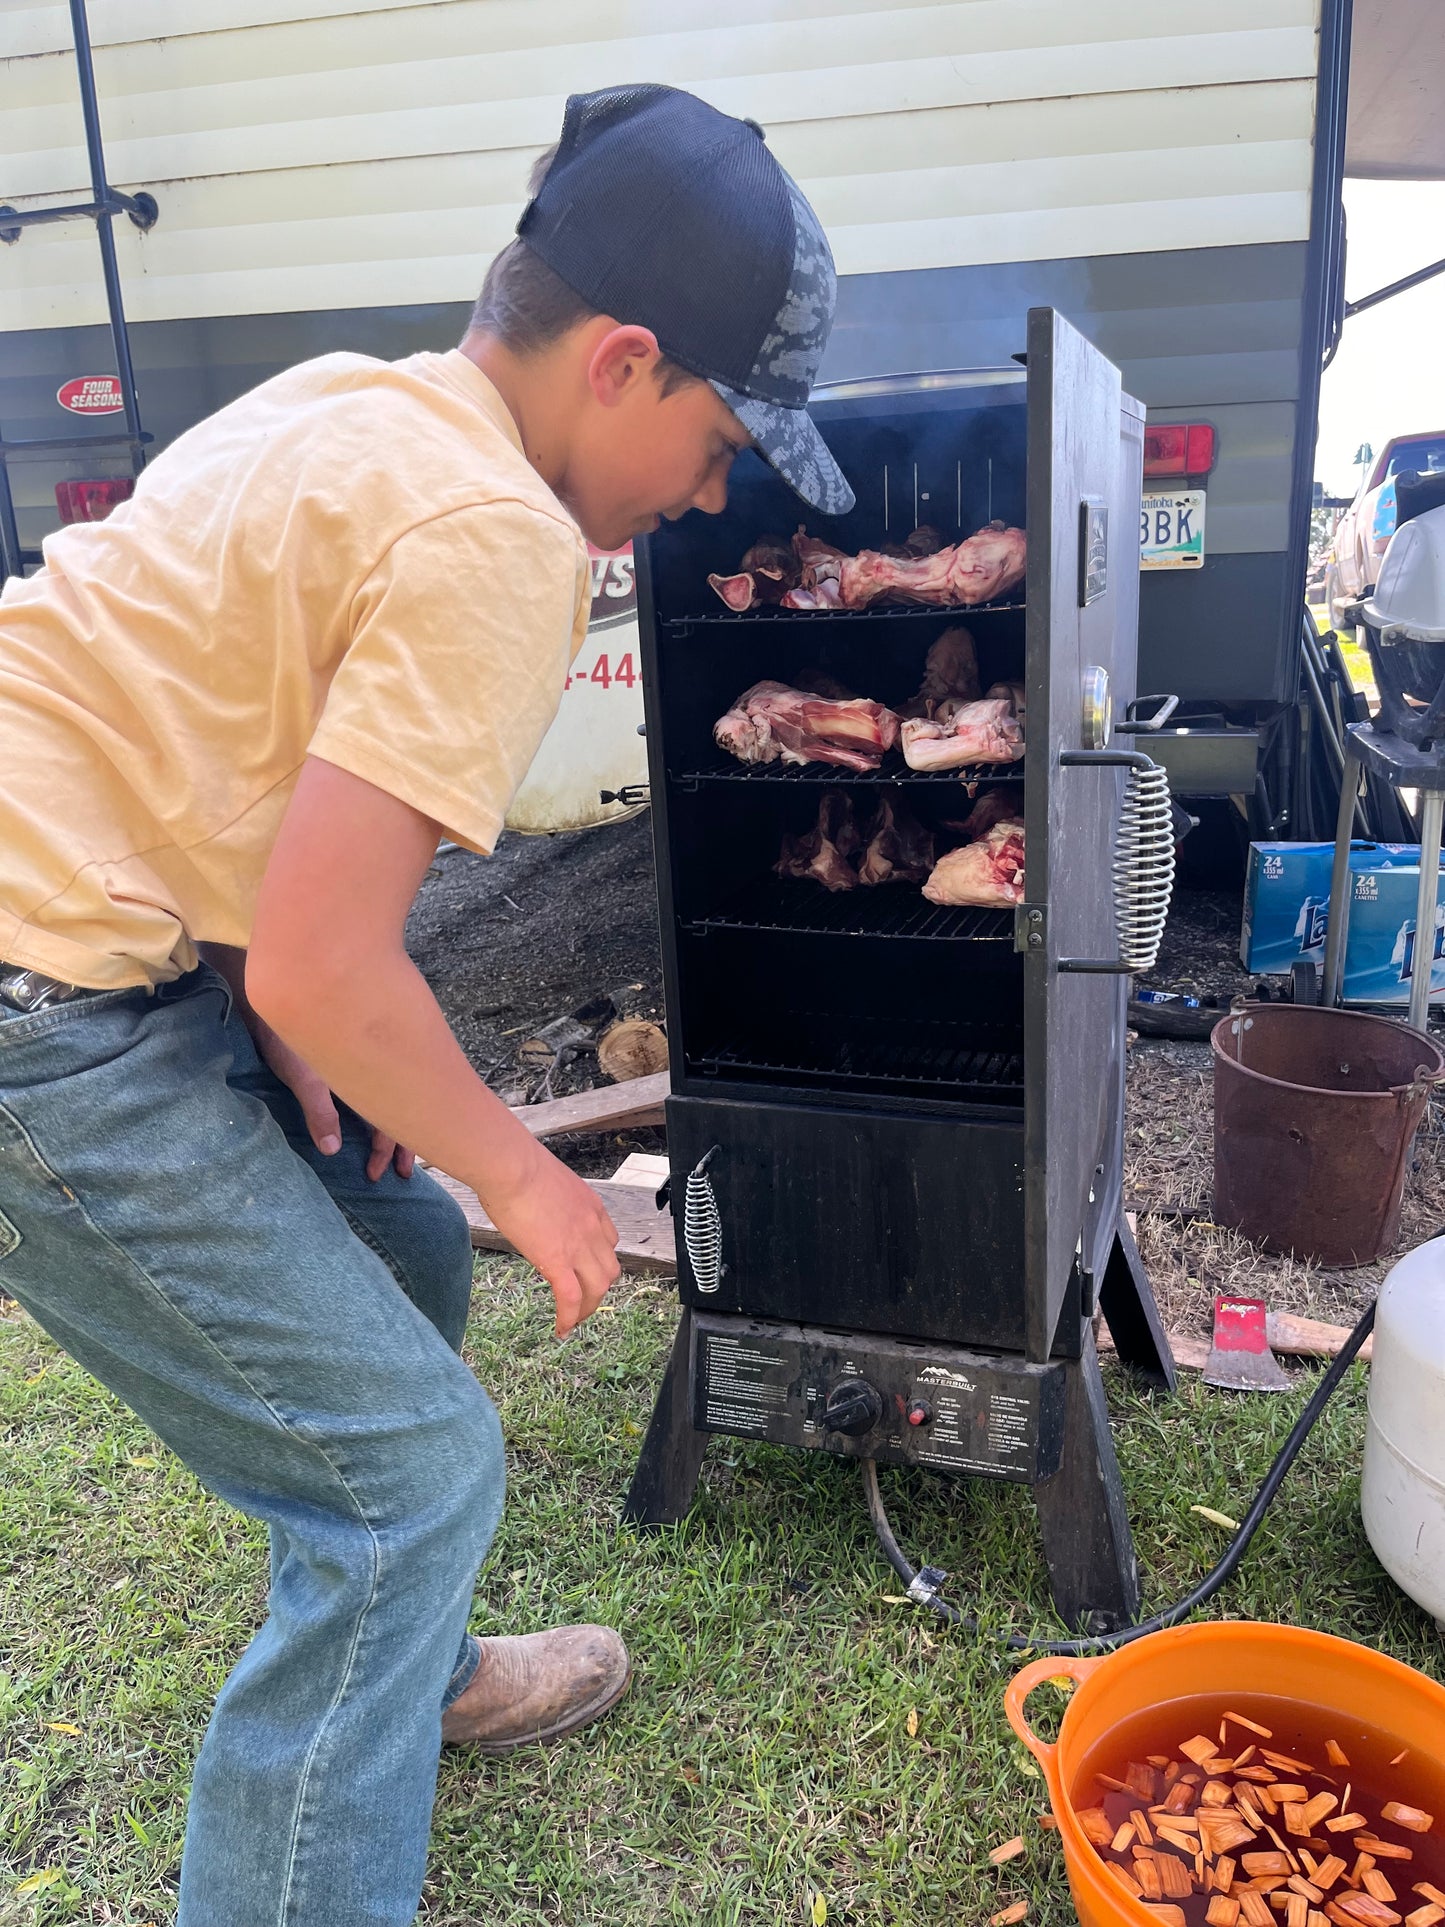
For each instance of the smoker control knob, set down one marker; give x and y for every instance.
(853, 1407)
(919, 1412)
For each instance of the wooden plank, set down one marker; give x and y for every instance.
(640, 1167)
(611, 1107)
(1309, 1337)
(644, 1234)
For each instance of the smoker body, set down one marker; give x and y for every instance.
(895, 1127)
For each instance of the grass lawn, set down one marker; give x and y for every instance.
(794, 1730)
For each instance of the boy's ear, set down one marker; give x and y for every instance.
(621, 361)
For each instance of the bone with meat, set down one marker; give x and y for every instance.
(976, 570)
(988, 872)
(950, 673)
(840, 853)
(996, 805)
(772, 721)
(826, 852)
(766, 573)
(809, 573)
(961, 733)
(899, 849)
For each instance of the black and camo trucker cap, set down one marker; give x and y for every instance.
(662, 211)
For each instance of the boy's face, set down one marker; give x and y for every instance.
(637, 455)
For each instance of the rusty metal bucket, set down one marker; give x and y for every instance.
(1314, 1111)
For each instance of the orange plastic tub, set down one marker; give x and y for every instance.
(1237, 1657)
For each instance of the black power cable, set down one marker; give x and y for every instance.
(923, 1586)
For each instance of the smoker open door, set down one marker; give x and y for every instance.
(1084, 473)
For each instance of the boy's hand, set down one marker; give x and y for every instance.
(328, 970)
(559, 1225)
(318, 1106)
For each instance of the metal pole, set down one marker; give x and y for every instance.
(1340, 880)
(10, 562)
(1401, 286)
(1432, 812)
(100, 190)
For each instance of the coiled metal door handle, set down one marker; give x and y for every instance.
(1143, 862)
(702, 1226)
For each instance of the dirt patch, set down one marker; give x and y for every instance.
(1169, 1170)
(513, 941)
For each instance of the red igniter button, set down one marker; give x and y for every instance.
(919, 1412)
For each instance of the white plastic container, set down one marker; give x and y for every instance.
(1409, 598)
(1402, 1493)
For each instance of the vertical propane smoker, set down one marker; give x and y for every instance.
(895, 1130)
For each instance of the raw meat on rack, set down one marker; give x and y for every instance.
(765, 574)
(961, 733)
(899, 849)
(950, 672)
(825, 853)
(809, 573)
(840, 853)
(1012, 692)
(995, 806)
(976, 570)
(772, 721)
(987, 872)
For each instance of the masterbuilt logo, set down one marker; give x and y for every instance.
(941, 1375)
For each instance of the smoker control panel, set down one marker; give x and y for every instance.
(870, 1396)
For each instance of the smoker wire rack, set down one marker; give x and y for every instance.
(877, 1050)
(893, 769)
(881, 612)
(804, 908)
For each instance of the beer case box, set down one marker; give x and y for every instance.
(1382, 947)
(1287, 901)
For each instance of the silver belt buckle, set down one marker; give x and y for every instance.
(30, 990)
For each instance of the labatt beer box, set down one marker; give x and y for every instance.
(1383, 948)
(1286, 917)
(1287, 903)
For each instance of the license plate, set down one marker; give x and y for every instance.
(1171, 531)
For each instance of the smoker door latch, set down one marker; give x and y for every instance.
(1031, 926)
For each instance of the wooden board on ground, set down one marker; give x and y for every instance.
(641, 1167)
(644, 1234)
(614, 1107)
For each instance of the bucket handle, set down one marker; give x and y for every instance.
(1019, 1688)
(1421, 1084)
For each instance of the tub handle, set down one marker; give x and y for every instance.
(1424, 1081)
(1019, 1688)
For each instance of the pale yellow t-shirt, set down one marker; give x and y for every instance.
(354, 561)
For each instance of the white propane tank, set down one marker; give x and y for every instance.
(1402, 1493)
(594, 744)
(1409, 598)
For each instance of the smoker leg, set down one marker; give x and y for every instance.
(671, 1457)
(1126, 1299)
(1087, 1542)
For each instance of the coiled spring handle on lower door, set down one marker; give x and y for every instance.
(1143, 861)
(702, 1226)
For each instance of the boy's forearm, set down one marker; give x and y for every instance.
(375, 1032)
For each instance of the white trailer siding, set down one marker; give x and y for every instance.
(320, 157)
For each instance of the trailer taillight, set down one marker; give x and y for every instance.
(1179, 448)
(92, 501)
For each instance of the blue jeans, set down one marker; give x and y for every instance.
(292, 1332)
